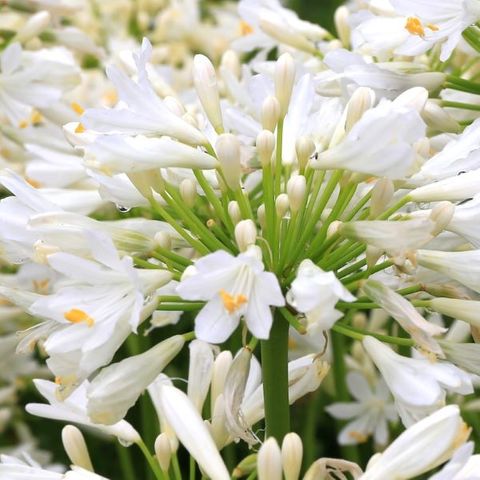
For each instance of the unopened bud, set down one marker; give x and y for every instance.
(265, 146)
(200, 372)
(284, 79)
(163, 240)
(342, 25)
(445, 290)
(438, 118)
(231, 62)
(362, 100)
(246, 466)
(218, 427)
(373, 254)
(292, 453)
(205, 81)
(282, 204)
(415, 98)
(76, 448)
(35, 25)
(234, 211)
(228, 152)
(270, 113)
(163, 451)
(304, 148)
(296, 189)
(441, 215)
(261, 215)
(333, 228)
(220, 369)
(245, 234)
(382, 194)
(269, 461)
(188, 191)
(174, 106)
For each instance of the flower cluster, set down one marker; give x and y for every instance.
(297, 209)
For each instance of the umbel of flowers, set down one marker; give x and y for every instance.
(298, 209)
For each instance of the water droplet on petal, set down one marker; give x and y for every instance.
(123, 209)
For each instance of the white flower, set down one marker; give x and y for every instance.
(461, 266)
(406, 315)
(368, 414)
(74, 410)
(117, 387)
(380, 143)
(188, 425)
(462, 465)
(232, 287)
(422, 447)
(96, 309)
(141, 112)
(315, 293)
(435, 21)
(417, 385)
(464, 221)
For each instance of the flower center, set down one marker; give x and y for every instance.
(245, 28)
(415, 26)
(76, 315)
(232, 302)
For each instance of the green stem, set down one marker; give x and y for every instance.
(151, 461)
(192, 471)
(176, 468)
(125, 462)
(358, 334)
(278, 159)
(275, 379)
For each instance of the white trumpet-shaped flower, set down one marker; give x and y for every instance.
(418, 386)
(192, 432)
(233, 287)
(315, 292)
(74, 410)
(422, 447)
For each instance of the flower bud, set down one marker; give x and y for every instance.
(35, 25)
(188, 192)
(282, 204)
(441, 215)
(174, 106)
(382, 194)
(231, 62)
(288, 36)
(199, 372)
(76, 448)
(362, 100)
(269, 461)
(438, 118)
(205, 81)
(245, 234)
(218, 428)
(234, 211)
(304, 147)
(270, 113)
(333, 228)
(292, 453)
(163, 240)
(163, 452)
(342, 25)
(265, 146)
(296, 188)
(284, 79)
(220, 369)
(261, 215)
(228, 152)
(117, 387)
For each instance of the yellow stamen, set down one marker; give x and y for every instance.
(80, 128)
(36, 117)
(415, 27)
(78, 109)
(359, 437)
(432, 27)
(110, 97)
(33, 182)
(232, 302)
(23, 124)
(245, 28)
(77, 316)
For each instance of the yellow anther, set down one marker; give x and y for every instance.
(110, 97)
(76, 315)
(80, 128)
(415, 27)
(245, 28)
(33, 182)
(232, 302)
(358, 436)
(23, 124)
(36, 117)
(78, 109)
(432, 27)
